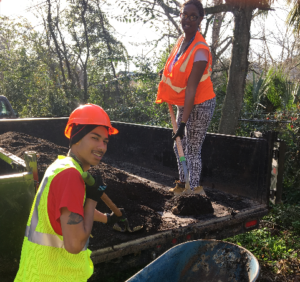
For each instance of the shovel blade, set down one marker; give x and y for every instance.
(118, 228)
(137, 228)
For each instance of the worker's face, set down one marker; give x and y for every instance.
(92, 147)
(190, 24)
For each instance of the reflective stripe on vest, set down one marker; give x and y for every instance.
(168, 81)
(185, 63)
(183, 68)
(39, 238)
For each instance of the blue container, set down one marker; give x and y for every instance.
(201, 261)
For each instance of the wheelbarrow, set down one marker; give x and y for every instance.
(201, 261)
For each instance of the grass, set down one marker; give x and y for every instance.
(276, 244)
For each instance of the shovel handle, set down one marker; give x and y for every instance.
(179, 148)
(111, 205)
(178, 141)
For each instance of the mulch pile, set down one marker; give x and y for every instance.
(18, 143)
(143, 202)
(191, 205)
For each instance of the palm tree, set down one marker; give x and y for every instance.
(293, 18)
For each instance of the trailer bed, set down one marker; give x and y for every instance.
(162, 221)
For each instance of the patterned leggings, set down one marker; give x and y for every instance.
(196, 128)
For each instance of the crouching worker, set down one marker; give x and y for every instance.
(64, 209)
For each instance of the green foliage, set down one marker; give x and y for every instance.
(280, 90)
(287, 216)
(138, 93)
(163, 57)
(220, 85)
(248, 105)
(42, 75)
(293, 18)
(25, 77)
(287, 124)
(259, 88)
(268, 94)
(278, 237)
(267, 246)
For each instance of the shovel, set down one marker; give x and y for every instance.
(88, 179)
(182, 158)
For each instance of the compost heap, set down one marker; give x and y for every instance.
(144, 203)
(192, 205)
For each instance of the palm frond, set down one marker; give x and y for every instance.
(293, 18)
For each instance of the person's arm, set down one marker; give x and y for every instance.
(100, 217)
(190, 92)
(76, 229)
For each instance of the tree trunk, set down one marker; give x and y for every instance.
(85, 75)
(216, 33)
(237, 71)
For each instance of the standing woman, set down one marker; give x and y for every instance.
(186, 83)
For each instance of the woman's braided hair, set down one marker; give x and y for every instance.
(197, 3)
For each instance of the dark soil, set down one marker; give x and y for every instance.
(191, 205)
(144, 201)
(217, 263)
(18, 143)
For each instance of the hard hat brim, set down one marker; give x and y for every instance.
(111, 130)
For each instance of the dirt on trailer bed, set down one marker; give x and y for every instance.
(145, 202)
(191, 205)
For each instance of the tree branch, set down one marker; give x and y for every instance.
(85, 83)
(207, 25)
(58, 50)
(166, 8)
(218, 9)
(224, 48)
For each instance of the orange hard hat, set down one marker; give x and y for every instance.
(89, 114)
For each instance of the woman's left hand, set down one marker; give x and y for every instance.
(180, 131)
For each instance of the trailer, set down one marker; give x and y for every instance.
(245, 168)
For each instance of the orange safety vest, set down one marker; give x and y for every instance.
(172, 87)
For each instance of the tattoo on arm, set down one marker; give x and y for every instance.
(74, 218)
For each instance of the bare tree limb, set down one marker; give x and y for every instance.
(85, 82)
(218, 9)
(58, 50)
(207, 25)
(171, 19)
(224, 48)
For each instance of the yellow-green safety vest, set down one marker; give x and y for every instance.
(43, 257)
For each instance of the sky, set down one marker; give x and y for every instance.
(132, 34)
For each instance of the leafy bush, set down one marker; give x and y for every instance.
(287, 216)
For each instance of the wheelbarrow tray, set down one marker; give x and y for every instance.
(201, 260)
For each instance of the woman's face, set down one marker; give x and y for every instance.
(188, 26)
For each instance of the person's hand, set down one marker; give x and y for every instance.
(161, 73)
(113, 218)
(180, 131)
(95, 191)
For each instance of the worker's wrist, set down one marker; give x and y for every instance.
(91, 202)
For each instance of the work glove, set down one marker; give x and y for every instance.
(160, 73)
(95, 191)
(180, 131)
(113, 218)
